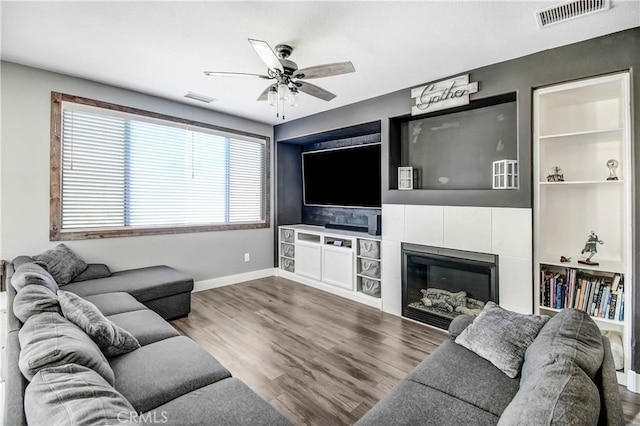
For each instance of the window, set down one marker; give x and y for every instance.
(118, 171)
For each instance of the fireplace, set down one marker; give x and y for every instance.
(439, 284)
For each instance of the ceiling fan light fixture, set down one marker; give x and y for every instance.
(272, 97)
(283, 92)
(294, 95)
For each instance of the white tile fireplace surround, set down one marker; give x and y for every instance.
(506, 232)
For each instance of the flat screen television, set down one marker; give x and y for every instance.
(343, 177)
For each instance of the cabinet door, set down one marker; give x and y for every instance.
(308, 259)
(337, 268)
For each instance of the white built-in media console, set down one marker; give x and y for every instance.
(345, 263)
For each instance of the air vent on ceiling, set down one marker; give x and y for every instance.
(574, 9)
(199, 97)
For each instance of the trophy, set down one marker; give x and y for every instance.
(612, 165)
(555, 175)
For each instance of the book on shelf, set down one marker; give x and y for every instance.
(599, 296)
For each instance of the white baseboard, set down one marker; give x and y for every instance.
(633, 381)
(232, 279)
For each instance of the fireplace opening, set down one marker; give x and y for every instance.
(439, 284)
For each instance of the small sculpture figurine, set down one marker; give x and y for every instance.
(555, 175)
(591, 248)
(612, 165)
(564, 259)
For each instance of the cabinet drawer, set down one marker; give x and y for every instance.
(369, 248)
(370, 268)
(288, 250)
(288, 265)
(369, 286)
(287, 235)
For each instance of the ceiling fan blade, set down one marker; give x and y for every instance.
(236, 74)
(265, 94)
(313, 90)
(267, 54)
(325, 70)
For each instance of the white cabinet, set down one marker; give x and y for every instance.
(337, 266)
(578, 128)
(308, 255)
(345, 263)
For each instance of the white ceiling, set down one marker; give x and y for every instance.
(163, 47)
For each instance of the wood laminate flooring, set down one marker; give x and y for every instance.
(319, 359)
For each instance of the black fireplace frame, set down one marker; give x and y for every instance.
(465, 260)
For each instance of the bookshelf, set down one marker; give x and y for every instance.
(579, 126)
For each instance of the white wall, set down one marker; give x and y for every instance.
(24, 185)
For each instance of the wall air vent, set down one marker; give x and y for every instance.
(199, 97)
(566, 11)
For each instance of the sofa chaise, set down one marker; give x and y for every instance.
(169, 379)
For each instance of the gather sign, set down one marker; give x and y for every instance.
(443, 94)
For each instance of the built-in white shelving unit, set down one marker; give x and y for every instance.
(345, 263)
(579, 126)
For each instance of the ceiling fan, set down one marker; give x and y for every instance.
(289, 80)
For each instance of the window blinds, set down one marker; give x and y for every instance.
(122, 170)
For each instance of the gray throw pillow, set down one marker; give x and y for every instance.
(32, 274)
(33, 300)
(74, 395)
(49, 340)
(110, 338)
(501, 336)
(93, 271)
(559, 394)
(62, 263)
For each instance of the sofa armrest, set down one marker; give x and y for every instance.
(611, 407)
(458, 325)
(14, 385)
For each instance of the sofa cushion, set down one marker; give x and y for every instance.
(73, 395)
(413, 404)
(570, 335)
(49, 340)
(115, 303)
(33, 300)
(92, 272)
(62, 263)
(559, 394)
(145, 325)
(229, 401)
(30, 273)
(144, 283)
(110, 338)
(475, 380)
(157, 373)
(501, 336)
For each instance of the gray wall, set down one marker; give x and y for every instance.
(602, 55)
(24, 197)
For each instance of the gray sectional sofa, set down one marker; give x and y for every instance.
(567, 378)
(169, 379)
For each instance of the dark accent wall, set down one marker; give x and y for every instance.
(603, 55)
(316, 215)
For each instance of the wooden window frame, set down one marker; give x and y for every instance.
(55, 177)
